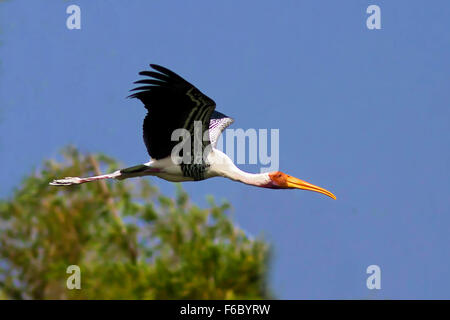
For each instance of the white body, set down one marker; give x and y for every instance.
(220, 166)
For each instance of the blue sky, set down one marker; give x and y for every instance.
(363, 113)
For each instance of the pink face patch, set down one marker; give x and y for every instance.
(270, 185)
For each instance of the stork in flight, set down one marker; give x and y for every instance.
(173, 103)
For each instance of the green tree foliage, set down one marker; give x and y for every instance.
(129, 241)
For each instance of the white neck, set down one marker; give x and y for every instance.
(221, 165)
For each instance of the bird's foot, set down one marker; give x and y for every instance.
(67, 181)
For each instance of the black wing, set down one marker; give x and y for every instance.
(172, 103)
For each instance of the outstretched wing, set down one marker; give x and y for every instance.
(172, 103)
(217, 124)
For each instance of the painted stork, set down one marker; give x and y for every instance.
(174, 103)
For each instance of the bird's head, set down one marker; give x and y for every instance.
(280, 180)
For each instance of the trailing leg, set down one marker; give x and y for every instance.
(135, 171)
(67, 181)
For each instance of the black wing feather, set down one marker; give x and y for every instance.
(151, 81)
(172, 103)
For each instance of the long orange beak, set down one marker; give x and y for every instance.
(293, 182)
